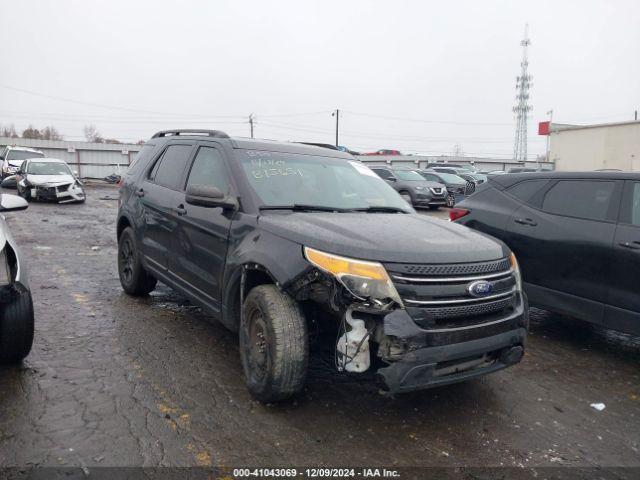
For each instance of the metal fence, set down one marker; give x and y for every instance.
(91, 160)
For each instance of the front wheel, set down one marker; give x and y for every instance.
(16, 328)
(134, 278)
(24, 192)
(451, 201)
(274, 346)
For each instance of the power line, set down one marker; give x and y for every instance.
(419, 120)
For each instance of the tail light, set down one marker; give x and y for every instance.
(457, 213)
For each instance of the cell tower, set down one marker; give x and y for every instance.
(522, 109)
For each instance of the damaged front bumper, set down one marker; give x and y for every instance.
(62, 193)
(432, 358)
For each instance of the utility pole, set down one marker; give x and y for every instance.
(251, 120)
(522, 108)
(337, 115)
(550, 113)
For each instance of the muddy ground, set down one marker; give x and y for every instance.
(119, 381)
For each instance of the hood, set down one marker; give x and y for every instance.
(50, 180)
(393, 237)
(434, 184)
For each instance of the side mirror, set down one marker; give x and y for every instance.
(75, 173)
(208, 196)
(392, 179)
(10, 203)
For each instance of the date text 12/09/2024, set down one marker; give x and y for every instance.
(315, 473)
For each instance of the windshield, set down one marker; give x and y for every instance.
(22, 154)
(409, 175)
(289, 179)
(450, 178)
(48, 168)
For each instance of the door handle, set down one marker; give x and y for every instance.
(525, 221)
(140, 193)
(631, 245)
(180, 210)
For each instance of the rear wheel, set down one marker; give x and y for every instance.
(274, 346)
(16, 329)
(135, 280)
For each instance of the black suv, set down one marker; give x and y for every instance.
(413, 187)
(280, 240)
(577, 236)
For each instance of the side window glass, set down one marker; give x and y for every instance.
(525, 191)
(630, 211)
(382, 173)
(209, 169)
(169, 169)
(580, 198)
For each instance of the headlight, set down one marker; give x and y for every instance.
(365, 280)
(5, 272)
(516, 271)
(421, 188)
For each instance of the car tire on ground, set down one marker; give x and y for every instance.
(406, 196)
(134, 278)
(451, 201)
(274, 346)
(16, 329)
(24, 193)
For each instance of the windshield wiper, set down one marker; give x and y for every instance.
(299, 207)
(379, 209)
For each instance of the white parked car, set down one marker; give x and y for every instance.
(49, 179)
(12, 157)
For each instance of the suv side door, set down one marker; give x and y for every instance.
(202, 236)
(623, 309)
(562, 239)
(160, 193)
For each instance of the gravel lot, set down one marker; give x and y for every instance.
(118, 381)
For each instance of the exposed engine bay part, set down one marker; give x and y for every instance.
(352, 349)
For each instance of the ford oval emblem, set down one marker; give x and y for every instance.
(481, 288)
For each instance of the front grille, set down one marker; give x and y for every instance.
(462, 315)
(449, 269)
(438, 295)
(470, 188)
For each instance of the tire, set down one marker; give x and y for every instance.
(24, 193)
(16, 329)
(434, 207)
(135, 280)
(274, 346)
(451, 201)
(406, 196)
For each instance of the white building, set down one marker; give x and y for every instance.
(595, 147)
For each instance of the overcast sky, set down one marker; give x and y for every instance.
(133, 67)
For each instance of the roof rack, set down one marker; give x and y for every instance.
(191, 131)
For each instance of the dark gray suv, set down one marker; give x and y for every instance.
(277, 240)
(413, 187)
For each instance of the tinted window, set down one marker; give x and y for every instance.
(579, 198)
(630, 211)
(526, 190)
(209, 169)
(382, 173)
(141, 159)
(168, 170)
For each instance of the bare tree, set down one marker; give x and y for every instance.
(51, 133)
(32, 132)
(92, 134)
(9, 131)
